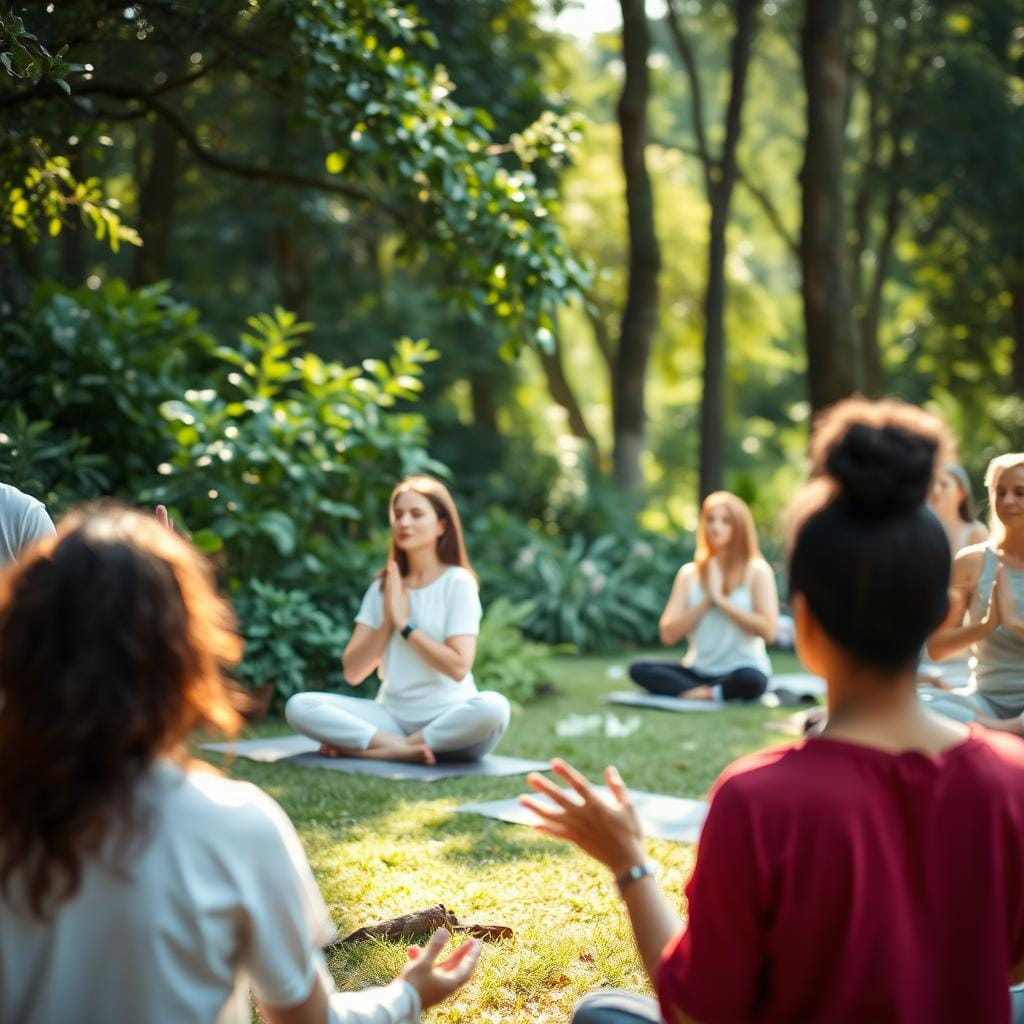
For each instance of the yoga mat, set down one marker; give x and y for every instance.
(302, 751)
(801, 684)
(664, 817)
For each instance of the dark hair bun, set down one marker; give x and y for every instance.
(882, 470)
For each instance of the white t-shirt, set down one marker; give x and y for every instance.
(219, 898)
(450, 606)
(23, 521)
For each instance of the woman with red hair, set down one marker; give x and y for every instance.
(726, 604)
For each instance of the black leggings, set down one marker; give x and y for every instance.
(670, 679)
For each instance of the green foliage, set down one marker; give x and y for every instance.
(88, 370)
(597, 595)
(283, 458)
(57, 470)
(506, 661)
(289, 641)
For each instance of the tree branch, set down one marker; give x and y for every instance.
(764, 200)
(696, 97)
(236, 167)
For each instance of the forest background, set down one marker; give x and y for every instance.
(588, 261)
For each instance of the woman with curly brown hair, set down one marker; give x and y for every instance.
(134, 887)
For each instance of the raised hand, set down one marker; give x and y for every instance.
(607, 830)
(714, 581)
(437, 981)
(162, 518)
(396, 597)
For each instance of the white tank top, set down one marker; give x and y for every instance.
(717, 645)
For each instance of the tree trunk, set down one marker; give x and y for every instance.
(639, 319)
(720, 190)
(1017, 333)
(291, 263)
(156, 206)
(562, 392)
(827, 318)
(871, 352)
(484, 400)
(73, 235)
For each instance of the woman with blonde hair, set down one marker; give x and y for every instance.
(985, 607)
(134, 884)
(726, 603)
(417, 626)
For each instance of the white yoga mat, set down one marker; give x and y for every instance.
(802, 684)
(664, 817)
(302, 751)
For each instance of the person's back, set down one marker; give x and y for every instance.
(858, 870)
(186, 917)
(23, 521)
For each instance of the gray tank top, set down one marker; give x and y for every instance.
(717, 645)
(999, 657)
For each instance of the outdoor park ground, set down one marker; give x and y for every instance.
(380, 848)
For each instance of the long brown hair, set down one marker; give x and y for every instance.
(451, 548)
(112, 639)
(742, 545)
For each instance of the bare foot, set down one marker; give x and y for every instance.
(415, 753)
(698, 693)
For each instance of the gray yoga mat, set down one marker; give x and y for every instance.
(301, 750)
(802, 684)
(664, 817)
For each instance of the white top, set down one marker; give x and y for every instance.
(450, 606)
(23, 521)
(217, 899)
(717, 645)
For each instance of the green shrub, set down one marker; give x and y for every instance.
(94, 367)
(288, 641)
(506, 661)
(598, 595)
(284, 460)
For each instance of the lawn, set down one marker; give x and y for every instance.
(381, 848)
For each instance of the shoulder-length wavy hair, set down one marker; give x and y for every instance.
(112, 639)
(996, 468)
(451, 548)
(743, 545)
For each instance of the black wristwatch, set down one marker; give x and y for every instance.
(407, 629)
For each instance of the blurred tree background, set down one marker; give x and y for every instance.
(590, 260)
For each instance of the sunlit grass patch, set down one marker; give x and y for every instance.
(380, 849)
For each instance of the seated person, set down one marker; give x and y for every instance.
(986, 609)
(952, 501)
(726, 603)
(23, 521)
(837, 877)
(134, 885)
(418, 624)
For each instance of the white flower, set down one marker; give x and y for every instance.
(588, 568)
(526, 557)
(641, 549)
(597, 584)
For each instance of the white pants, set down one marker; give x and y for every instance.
(464, 732)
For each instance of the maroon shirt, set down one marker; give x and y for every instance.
(836, 882)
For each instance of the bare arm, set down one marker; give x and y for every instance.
(453, 658)
(364, 651)
(422, 983)
(953, 635)
(764, 619)
(677, 620)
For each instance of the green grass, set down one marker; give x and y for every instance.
(381, 848)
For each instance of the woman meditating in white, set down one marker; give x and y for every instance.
(418, 623)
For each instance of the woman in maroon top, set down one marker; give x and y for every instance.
(874, 873)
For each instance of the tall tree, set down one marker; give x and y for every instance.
(640, 316)
(720, 176)
(828, 322)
